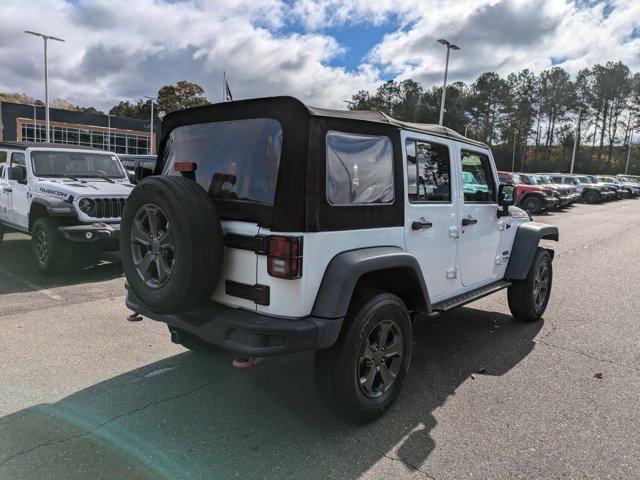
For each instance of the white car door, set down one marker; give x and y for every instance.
(4, 186)
(479, 228)
(431, 214)
(18, 199)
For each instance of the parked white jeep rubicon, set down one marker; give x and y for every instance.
(61, 195)
(273, 227)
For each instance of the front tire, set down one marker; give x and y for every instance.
(362, 375)
(528, 298)
(591, 197)
(533, 204)
(50, 250)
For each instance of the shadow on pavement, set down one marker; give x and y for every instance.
(16, 260)
(194, 416)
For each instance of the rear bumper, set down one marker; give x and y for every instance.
(91, 233)
(246, 332)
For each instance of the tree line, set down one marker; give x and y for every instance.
(168, 99)
(533, 115)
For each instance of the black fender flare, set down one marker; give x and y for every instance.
(345, 269)
(525, 245)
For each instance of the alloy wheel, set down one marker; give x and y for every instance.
(380, 359)
(152, 246)
(42, 247)
(541, 285)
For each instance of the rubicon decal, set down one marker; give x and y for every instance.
(53, 192)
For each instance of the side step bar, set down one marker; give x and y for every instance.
(468, 297)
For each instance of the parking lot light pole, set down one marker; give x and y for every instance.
(151, 142)
(109, 132)
(575, 140)
(626, 168)
(46, 38)
(513, 156)
(35, 123)
(450, 46)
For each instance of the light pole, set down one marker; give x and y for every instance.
(35, 123)
(108, 132)
(575, 140)
(513, 157)
(449, 46)
(151, 142)
(465, 130)
(46, 75)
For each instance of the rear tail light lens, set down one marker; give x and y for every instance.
(284, 257)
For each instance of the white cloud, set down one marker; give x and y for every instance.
(118, 49)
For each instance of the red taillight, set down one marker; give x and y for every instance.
(284, 257)
(185, 166)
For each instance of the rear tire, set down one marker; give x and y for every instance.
(173, 257)
(362, 374)
(591, 197)
(51, 251)
(533, 204)
(528, 298)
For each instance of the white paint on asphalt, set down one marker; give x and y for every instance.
(31, 285)
(159, 371)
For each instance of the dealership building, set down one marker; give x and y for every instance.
(26, 123)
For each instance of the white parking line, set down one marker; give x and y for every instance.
(31, 285)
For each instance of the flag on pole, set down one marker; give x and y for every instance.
(228, 97)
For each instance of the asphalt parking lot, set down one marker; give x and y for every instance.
(86, 394)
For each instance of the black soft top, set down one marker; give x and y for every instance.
(300, 200)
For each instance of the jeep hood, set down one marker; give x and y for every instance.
(87, 188)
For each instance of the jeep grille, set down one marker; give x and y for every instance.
(107, 208)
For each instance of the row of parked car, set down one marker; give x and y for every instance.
(539, 192)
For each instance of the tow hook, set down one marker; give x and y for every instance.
(244, 362)
(134, 317)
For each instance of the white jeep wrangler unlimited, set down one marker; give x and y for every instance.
(61, 195)
(272, 227)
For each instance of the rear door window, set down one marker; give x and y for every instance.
(236, 160)
(359, 169)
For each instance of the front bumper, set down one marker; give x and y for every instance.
(550, 202)
(248, 333)
(91, 233)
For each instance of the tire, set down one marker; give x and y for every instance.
(180, 264)
(524, 305)
(591, 197)
(533, 204)
(50, 250)
(191, 342)
(338, 369)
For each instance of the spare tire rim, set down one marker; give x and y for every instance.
(541, 285)
(380, 359)
(152, 247)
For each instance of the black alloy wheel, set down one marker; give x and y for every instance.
(152, 247)
(380, 359)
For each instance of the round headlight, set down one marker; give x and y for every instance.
(86, 205)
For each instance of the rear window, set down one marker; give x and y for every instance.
(359, 169)
(236, 160)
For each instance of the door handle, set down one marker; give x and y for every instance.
(421, 225)
(7, 189)
(469, 221)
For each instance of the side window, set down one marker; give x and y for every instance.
(503, 179)
(478, 184)
(428, 172)
(556, 179)
(17, 158)
(359, 169)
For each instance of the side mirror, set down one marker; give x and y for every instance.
(142, 172)
(18, 173)
(506, 198)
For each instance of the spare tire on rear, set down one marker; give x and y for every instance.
(171, 244)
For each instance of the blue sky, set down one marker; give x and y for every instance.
(321, 51)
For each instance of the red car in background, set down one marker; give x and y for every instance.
(532, 198)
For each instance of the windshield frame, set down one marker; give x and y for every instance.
(113, 156)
